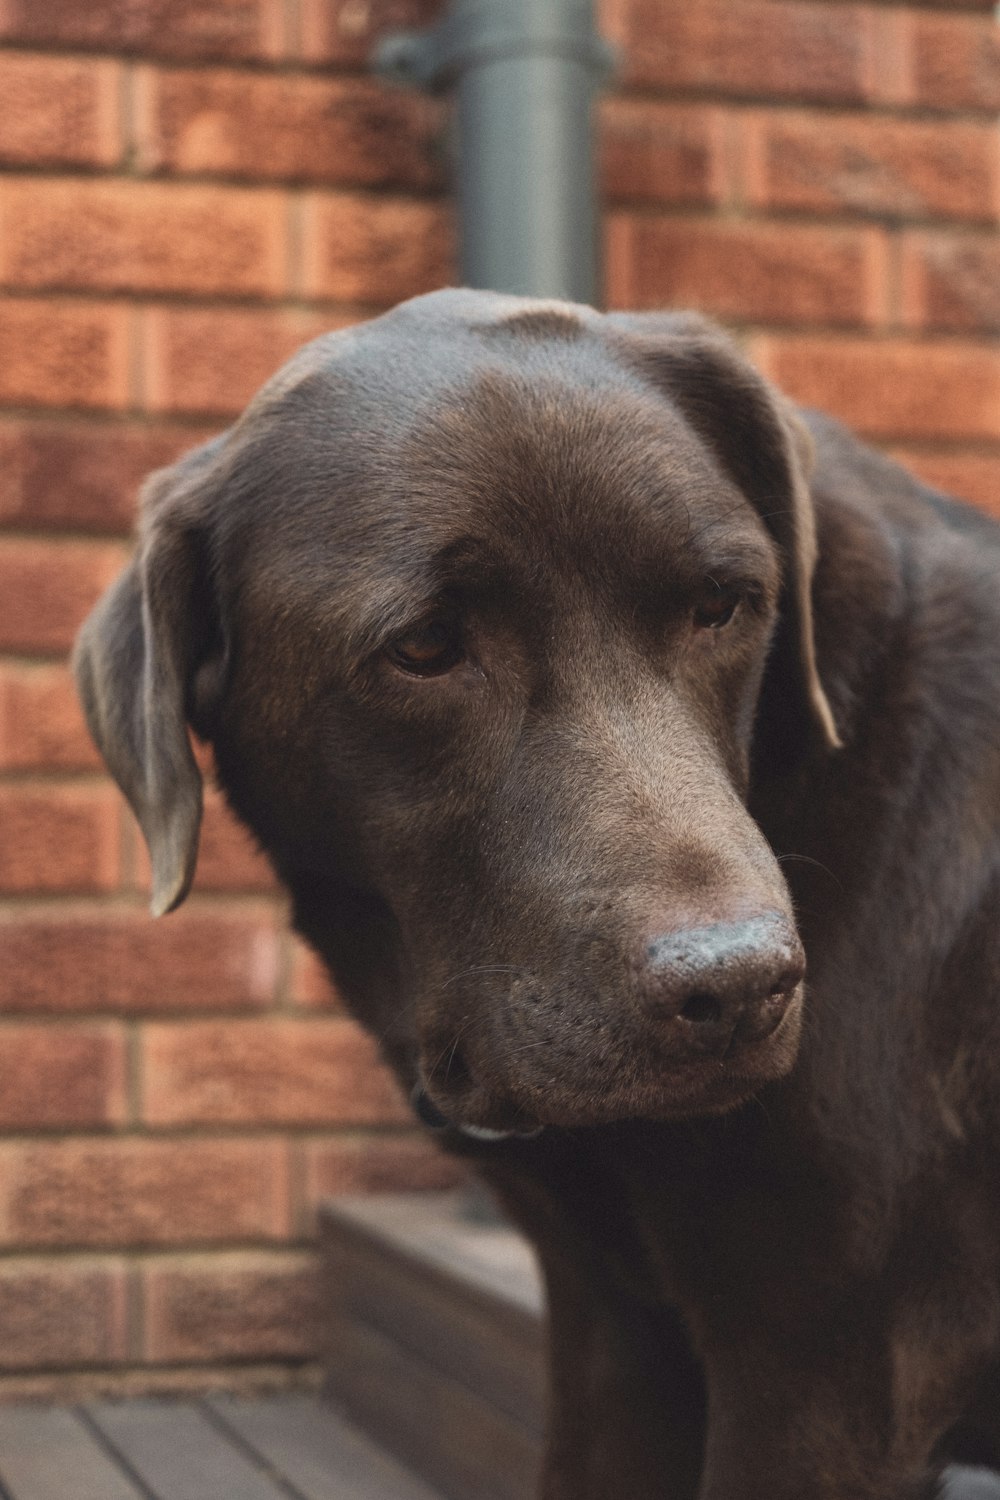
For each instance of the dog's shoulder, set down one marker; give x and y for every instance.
(907, 613)
(855, 474)
(913, 569)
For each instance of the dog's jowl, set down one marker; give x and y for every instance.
(629, 743)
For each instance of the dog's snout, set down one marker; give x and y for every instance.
(725, 984)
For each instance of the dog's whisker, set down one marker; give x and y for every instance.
(529, 1047)
(449, 1049)
(481, 969)
(807, 859)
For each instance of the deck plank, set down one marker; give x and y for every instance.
(314, 1447)
(178, 1453)
(430, 1420)
(47, 1453)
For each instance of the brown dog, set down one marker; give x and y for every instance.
(510, 629)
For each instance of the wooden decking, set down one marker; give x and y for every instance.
(435, 1379)
(286, 1447)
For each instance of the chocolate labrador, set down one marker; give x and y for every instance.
(583, 693)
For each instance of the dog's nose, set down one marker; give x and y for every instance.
(726, 984)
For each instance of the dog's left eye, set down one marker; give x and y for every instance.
(716, 607)
(428, 650)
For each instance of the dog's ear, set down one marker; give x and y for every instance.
(768, 451)
(148, 661)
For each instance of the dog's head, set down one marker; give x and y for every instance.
(475, 603)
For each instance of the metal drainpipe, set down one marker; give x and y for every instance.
(526, 74)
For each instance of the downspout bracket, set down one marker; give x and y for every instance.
(473, 34)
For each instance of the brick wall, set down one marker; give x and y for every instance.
(825, 177)
(189, 189)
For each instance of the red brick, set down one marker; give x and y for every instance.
(308, 1072)
(59, 838)
(252, 1305)
(80, 476)
(228, 857)
(968, 476)
(895, 168)
(783, 273)
(375, 250)
(41, 725)
(162, 28)
(142, 1192)
(61, 1314)
(347, 31)
(951, 281)
(892, 388)
(63, 354)
(59, 111)
(288, 127)
(956, 62)
(47, 589)
(754, 48)
(58, 1077)
(128, 236)
(215, 361)
(87, 960)
(310, 985)
(662, 153)
(378, 1164)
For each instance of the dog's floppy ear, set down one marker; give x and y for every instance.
(146, 657)
(767, 449)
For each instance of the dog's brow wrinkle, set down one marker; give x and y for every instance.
(537, 322)
(694, 536)
(389, 606)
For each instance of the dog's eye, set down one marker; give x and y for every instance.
(716, 608)
(428, 650)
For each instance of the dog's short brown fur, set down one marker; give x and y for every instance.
(579, 689)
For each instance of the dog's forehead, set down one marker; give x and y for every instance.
(522, 436)
(521, 402)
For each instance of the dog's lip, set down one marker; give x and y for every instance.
(484, 1133)
(431, 1115)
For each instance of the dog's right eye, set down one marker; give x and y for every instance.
(429, 650)
(716, 608)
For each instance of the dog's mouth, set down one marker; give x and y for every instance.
(634, 1080)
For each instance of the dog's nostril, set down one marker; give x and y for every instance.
(703, 1010)
(784, 986)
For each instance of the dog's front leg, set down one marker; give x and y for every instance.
(626, 1409)
(627, 1406)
